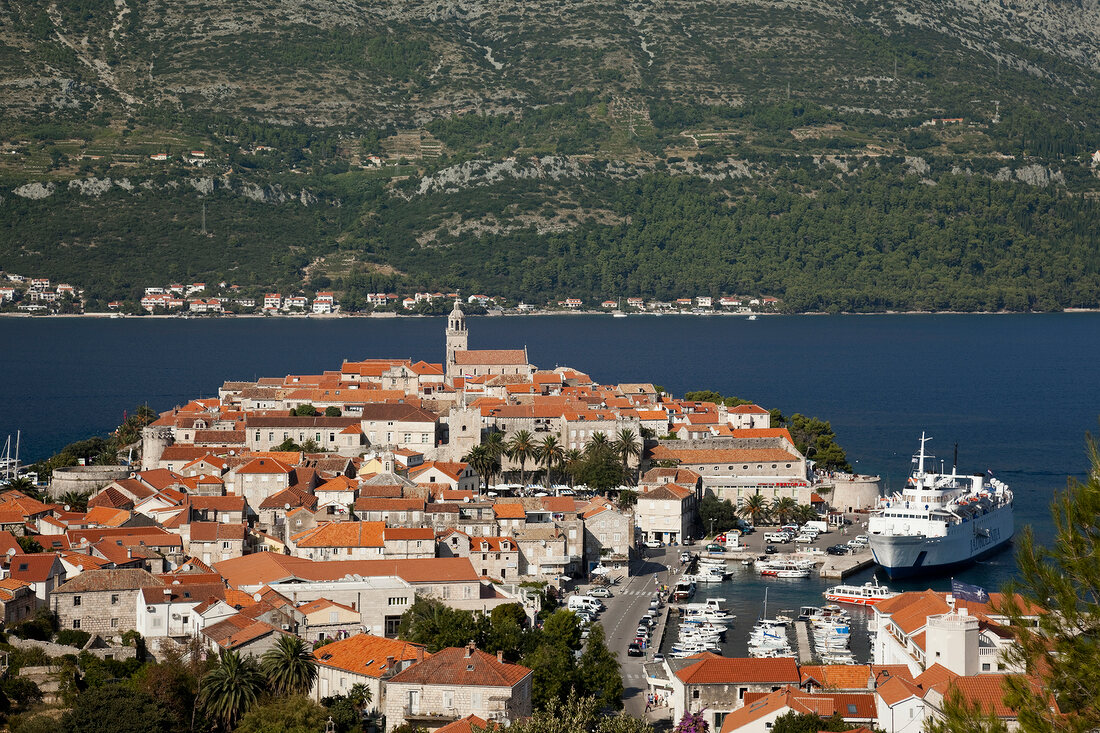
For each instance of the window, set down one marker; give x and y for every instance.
(114, 599)
(76, 601)
(475, 700)
(448, 698)
(694, 694)
(741, 693)
(225, 545)
(332, 438)
(114, 623)
(76, 623)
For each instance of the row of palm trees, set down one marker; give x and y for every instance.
(549, 453)
(236, 684)
(757, 510)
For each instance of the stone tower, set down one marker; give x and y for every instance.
(457, 338)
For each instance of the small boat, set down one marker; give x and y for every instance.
(752, 318)
(684, 591)
(868, 594)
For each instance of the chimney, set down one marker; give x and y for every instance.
(500, 656)
(389, 662)
(419, 654)
(469, 650)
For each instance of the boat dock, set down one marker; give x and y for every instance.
(841, 566)
(802, 636)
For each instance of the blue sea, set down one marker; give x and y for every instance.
(1016, 392)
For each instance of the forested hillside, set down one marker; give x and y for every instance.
(840, 155)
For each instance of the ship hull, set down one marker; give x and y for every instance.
(907, 556)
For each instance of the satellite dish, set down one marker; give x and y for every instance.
(287, 506)
(11, 552)
(257, 597)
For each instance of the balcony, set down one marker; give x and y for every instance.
(433, 718)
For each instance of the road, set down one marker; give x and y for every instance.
(629, 602)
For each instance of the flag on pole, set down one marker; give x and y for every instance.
(968, 592)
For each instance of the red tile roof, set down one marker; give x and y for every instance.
(366, 654)
(35, 567)
(462, 666)
(713, 669)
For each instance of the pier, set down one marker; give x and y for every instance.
(841, 566)
(802, 636)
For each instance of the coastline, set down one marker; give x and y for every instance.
(540, 313)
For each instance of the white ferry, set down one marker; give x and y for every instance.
(867, 594)
(939, 521)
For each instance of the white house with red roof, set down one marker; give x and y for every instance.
(456, 682)
(362, 659)
(719, 685)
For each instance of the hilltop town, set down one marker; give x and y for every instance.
(431, 540)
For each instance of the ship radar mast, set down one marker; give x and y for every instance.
(922, 455)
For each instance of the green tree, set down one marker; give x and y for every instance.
(290, 666)
(550, 454)
(755, 508)
(437, 626)
(793, 722)
(628, 498)
(784, 508)
(77, 501)
(554, 672)
(306, 410)
(598, 671)
(721, 511)
(332, 411)
(626, 446)
(521, 447)
(116, 709)
(816, 440)
(1061, 585)
(482, 460)
(29, 544)
(294, 714)
(172, 682)
(231, 688)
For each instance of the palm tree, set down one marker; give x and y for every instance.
(521, 447)
(77, 501)
(494, 443)
(231, 688)
(755, 508)
(597, 444)
(805, 513)
(626, 445)
(23, 485)
(784, 508)
(482, 461)
(550, 453)
(570, 460)
(290, 667)
(360, 696)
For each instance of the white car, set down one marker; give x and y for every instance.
(599, 593)
(804, 539)
(654, 544)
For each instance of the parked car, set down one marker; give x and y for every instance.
(658, 657)
(688, 542)
(770, 550)
(837, 550)
(863, 538)
(654, 544)
(634, 650)
(599, 592)
(805, 539)
(714, 547)
(684, 557)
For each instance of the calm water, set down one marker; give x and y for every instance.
(1017, 392)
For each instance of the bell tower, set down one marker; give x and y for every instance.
(457, 338)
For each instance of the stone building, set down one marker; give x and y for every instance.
(719, 685)
(456, 682)
(101, 602)
(362, 659)
(608, 533)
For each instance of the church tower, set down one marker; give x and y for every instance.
(457, 338)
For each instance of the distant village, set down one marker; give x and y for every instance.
(322, 507)
(40, 295)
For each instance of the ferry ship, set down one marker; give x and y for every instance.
(939, 521)
(868, 594)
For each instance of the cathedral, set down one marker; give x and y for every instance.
(464, 362)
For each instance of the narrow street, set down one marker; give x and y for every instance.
(630, 601)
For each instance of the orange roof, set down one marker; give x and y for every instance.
(469, 724)
(408, 533)
(463, 666)
(106, 516)
(721, 455)
(264, 465)
(934, 675)
(269, 567)
(837, 676)
(343, 534)
(896, 689)
(366, 654)
(491, 356)
(509, 511)
(713, 669)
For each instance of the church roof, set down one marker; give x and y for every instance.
(491, 356)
